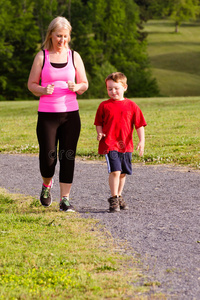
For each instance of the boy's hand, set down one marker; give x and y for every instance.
(100, 136)
(140, 147)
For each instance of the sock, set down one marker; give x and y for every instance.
(67, 197)
(47, 185)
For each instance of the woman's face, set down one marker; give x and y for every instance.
(60, 39)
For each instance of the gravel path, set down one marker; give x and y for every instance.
(162, 224)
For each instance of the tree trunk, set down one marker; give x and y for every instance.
(69, 11)
(176, 27)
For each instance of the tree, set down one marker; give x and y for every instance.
(183, 10)
(178, 10)
(18, 42)
(110, 37)
(6, 49)
(145, 13)
(153, 9)
(160, 9)
(105, 33)
(46, 10)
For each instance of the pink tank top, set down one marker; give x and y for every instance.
(62, 99)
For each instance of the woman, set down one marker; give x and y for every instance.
(57, 66)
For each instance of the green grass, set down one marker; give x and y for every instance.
(172, 134)
(175, 58)
(45, 254)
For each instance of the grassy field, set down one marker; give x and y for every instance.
(172, 134)
(45, 254)
(175, 58)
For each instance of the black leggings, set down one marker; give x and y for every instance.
(51, 129)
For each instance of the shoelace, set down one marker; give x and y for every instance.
(65, 201)
(45, 192)
(114, 201)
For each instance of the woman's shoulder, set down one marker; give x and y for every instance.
(39, 58)
(78, 62)
(76, 54)
(40, 55)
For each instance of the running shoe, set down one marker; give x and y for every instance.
(45, 196)
(65, 205)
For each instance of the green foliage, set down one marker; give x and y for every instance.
(106, 34)
(18, 43)
(112, 39)
(159, 8)
(178, 10)
(45, 11)
(184, 10)
(145, 13)
(97, 84)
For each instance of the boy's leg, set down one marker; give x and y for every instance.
(122, 180)
(114, 182)
(122, 202)
(114, 178)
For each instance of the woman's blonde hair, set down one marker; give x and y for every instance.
(56, 24)
(117, 77)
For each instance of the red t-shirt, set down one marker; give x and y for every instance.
(118, 119)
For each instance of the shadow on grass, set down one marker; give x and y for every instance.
(187, 62)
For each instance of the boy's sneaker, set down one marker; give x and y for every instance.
(65, 205)
(122, 203)
(114, 204)
(45, 196)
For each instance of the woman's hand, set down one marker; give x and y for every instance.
(71, 86)
(49, 89)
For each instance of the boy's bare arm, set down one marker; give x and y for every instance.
(141, 135)
(100, 133)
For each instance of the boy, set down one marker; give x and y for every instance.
(115, 120)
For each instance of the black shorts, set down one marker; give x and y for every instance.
(117, 161)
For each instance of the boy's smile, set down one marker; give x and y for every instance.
(116, 90)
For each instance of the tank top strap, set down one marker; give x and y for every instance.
(46, 55)
(70, 58)
(73, 59)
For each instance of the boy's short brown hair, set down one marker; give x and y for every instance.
(117, 77)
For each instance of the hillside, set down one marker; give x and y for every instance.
(175, 58)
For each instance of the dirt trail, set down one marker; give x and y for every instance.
(162, 224)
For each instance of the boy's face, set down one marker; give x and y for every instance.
(116, 90)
